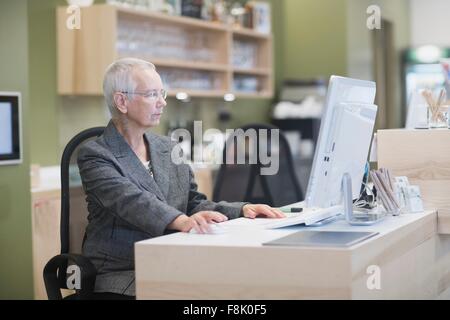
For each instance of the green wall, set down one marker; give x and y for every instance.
(315, 41)
(15, 208)
(55, 119)
(44, 110)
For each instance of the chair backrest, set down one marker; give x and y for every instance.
(73, 204)
(244, 182)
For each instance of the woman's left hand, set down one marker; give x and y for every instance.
(254, 210)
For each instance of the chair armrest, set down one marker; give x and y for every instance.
(55, 275)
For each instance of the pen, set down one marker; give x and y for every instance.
(292, 209)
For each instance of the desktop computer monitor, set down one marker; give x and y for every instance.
(341, 154)
(344, 139)
(10, 128)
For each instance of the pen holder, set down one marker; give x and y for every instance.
(437, 118)
(436, 111)
(387, 211)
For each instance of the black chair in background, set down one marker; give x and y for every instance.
(244, 182)
(73, 225)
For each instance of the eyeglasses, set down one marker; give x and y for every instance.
(151, 94)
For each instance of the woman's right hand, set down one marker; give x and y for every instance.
(199, 221)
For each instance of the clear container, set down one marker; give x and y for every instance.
(383, 209)
(437, 119)
(448, 117)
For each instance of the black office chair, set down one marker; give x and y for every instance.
(244, 182)
(73, 225)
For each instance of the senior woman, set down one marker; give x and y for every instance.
(134, 191)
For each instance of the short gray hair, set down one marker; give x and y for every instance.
(119, 78)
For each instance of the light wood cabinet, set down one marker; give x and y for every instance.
(46, 236)
(201, 58)
(46, 207)
(422, 156)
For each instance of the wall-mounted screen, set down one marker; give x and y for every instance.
(10, 128)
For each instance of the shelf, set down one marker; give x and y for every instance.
(250, 33)
(116, 32)
(219, 93)
(172, 63)
(253, 71)
(197, 93)
(192, 22)
(262, 94)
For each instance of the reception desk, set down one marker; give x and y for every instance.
(408, 259)
(423, 155)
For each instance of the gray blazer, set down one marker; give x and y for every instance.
(126, 204)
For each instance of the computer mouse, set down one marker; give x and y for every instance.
(215, 229)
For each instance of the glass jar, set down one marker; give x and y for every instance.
(448, 116)
(437, 118)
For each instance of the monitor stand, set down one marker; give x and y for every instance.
(360, 220)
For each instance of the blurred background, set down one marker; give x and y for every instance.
(226, 63)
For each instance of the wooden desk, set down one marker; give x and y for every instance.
(45, 217)
(414, 263)
(424, 157)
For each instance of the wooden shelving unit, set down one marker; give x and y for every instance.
(184, 21)
(188, 65)
(243, 32)
(201, 58)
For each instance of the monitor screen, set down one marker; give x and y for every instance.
(10, 146)
(344, 139)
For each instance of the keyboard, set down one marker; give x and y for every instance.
(300, 205)
(307, 216)
(293, 214)
(304, 212)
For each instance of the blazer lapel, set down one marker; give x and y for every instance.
(160, 160)
(128, 159)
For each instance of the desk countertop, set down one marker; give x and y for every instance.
(412, 259)
(244, 232)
